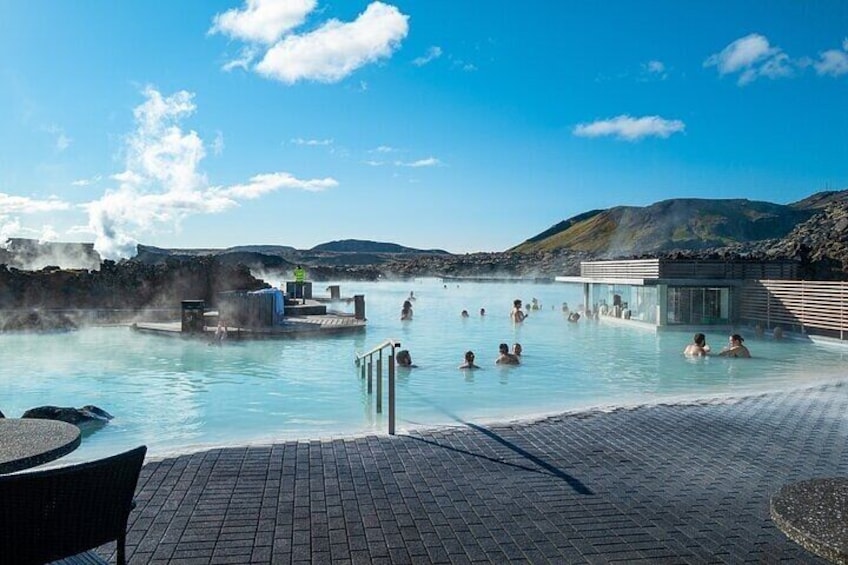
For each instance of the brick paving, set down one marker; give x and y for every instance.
(656, 484)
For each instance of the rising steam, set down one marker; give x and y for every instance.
(163, 184)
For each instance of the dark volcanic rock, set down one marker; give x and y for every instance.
(36, 321)
(129, 285)
(542, 264)
(88, 414)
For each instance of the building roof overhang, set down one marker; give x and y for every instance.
(651, 282)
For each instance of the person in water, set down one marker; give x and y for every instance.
(517, 349)
(698, 347)
(404, 359)
(469, 361)
(220, 332)
(505, 357)
(406, 311)
(482, 311)
(574, 317)
(464, 313)
(736, 349)
(517, 313)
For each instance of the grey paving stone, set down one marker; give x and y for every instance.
(657, 484)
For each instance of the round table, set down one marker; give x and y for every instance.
(27, 442)
(814, 513)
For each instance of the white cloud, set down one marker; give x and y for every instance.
(11, 207)
(162, 183)
(263, 184)
(245, 58)
(428, 162)
(655, 67)
(630, 129)
(47, 234)
(833, 62)
(432, 54)
(373, 163)
(741, 54)
(87, 182)
(9, 227)
(218, 143)
(383, 149)
(262, 21)
(751, 56)
(62, 141)
(463, 65)
(653, 70)
(10, 204)
(311, 142)
(336, 49)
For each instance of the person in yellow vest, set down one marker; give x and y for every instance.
(299, 275)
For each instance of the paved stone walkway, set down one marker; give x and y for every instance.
(657, 484)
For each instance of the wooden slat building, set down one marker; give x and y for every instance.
(816, 307)
(670, 292)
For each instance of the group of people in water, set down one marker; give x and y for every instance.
(505, 357)
(734, 348)
(698, 347)
(403, 358)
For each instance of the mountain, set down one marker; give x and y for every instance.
(822, 200)
(681, 223)
(366, 246)
(813, 231)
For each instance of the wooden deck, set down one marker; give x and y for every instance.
(292, 327)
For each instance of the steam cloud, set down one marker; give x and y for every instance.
(162, 183)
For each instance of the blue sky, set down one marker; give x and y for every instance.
(466, 126)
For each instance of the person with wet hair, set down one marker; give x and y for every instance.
(517, 313)
(406, 311)
(505, 357)
(404, 359)
(736, 349)
(698, 347)
(469, 361)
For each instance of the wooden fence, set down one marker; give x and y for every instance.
(812, 307)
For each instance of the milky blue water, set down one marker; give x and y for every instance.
(179, 395)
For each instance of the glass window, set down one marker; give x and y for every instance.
(625, 301)
(696, 306)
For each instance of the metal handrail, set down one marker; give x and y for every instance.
(366, 360)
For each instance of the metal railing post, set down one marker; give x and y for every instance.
(392, 393)
(368, 356)
(380, 382)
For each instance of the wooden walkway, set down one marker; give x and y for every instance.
(292, 327)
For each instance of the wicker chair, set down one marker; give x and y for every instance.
(58, 513)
